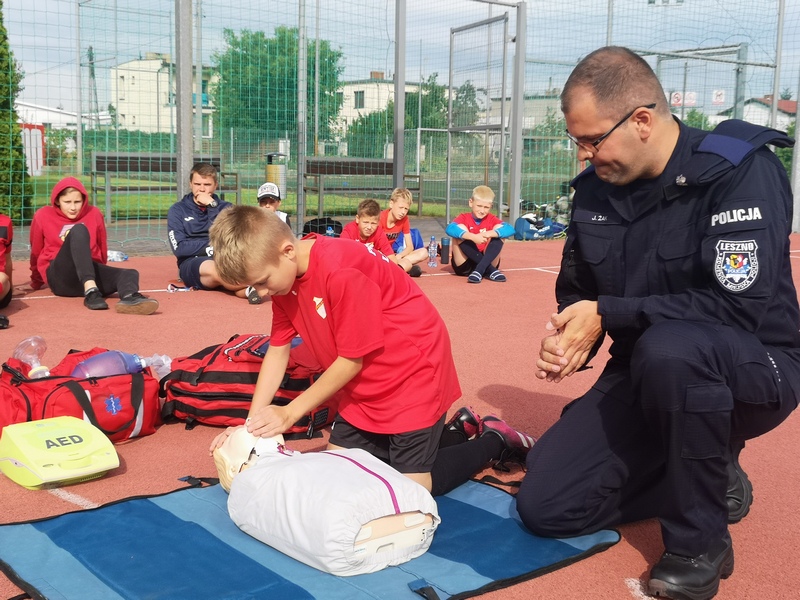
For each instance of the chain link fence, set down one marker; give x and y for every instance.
(98, 78)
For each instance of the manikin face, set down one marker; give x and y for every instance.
(367, 226)
(71, 204)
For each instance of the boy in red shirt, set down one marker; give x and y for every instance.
(380, 340)
(394, 221)
(6, 238)
(477, 239)
(366, 230)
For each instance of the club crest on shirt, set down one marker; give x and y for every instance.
(736, 264)
(319, 305)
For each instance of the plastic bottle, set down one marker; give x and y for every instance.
(30, 351)
(116, 256)
(112, 362)
(432, 252)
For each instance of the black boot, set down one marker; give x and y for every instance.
(692, 578)
(740, 490)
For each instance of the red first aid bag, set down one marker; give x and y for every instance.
(215, 385)
(121, 406)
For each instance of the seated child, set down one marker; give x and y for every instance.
(69, 253)
(366, 230)
(477, 239)
(269, 197)
(188, 222)
(395, 223)
(6, 238)
(378, 337)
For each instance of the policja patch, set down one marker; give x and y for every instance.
(736, 265)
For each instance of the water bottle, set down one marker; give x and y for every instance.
(30, 351)
(112, 362)
(432, 251)
(116, 256)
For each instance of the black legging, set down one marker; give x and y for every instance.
(483, 260)
(458, 460)
(73, 266)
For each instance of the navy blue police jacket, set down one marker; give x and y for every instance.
(188, 226)
(707, 240)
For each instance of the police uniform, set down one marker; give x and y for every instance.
(692, 276)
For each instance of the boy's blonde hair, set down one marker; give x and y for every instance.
(483, 192)
(244, 236)
(401, 194)
(368, 208)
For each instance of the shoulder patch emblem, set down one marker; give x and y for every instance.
(736, 264)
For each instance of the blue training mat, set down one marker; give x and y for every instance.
(183, 545)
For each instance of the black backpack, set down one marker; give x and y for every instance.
(324, 226)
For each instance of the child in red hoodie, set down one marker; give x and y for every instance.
(69, 253)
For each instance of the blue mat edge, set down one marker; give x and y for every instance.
(195, 483)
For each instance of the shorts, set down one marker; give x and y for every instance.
(467, 267)
(410, 452)
(189, 271)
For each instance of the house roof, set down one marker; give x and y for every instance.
(787, 107)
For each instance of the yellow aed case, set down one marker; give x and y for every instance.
(54, 452)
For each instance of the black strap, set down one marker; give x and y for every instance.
(198, 482)
(494, 480)
(137, 395)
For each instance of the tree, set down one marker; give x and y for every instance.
(367, 134)
(786, 154)
(257, 87)
(15, 192)
(698, 119)
(786, 94)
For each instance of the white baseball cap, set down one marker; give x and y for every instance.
(268, 189)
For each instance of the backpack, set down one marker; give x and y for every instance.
(399, 243)
(323, 226)
(121, 406)
(215, 385)
(526, 228)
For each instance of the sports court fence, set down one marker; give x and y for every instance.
(100, 76)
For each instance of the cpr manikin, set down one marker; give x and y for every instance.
(344, 512)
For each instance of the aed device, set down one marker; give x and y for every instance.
(53, 452)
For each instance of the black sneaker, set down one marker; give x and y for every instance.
(252, 295)
(3, 322)
(415, 271)
(740, 490)
(93, 300)
(692, 578)
(136, 304)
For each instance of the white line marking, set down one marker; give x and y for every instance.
(73, 498)
(551, 270)
(636, 588)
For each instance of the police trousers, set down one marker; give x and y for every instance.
(653, 436)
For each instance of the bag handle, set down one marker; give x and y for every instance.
(137, 395)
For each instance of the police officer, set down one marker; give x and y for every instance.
(678, 249)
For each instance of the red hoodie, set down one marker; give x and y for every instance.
(50, 226)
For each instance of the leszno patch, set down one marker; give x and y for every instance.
(736, 265)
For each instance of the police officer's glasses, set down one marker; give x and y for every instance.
(594, 145)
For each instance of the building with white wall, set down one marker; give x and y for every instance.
(143, 94)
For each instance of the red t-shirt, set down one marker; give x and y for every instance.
(488, 223)
(401, 227)
(354, 302)
(6, 239)
(377, 240)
